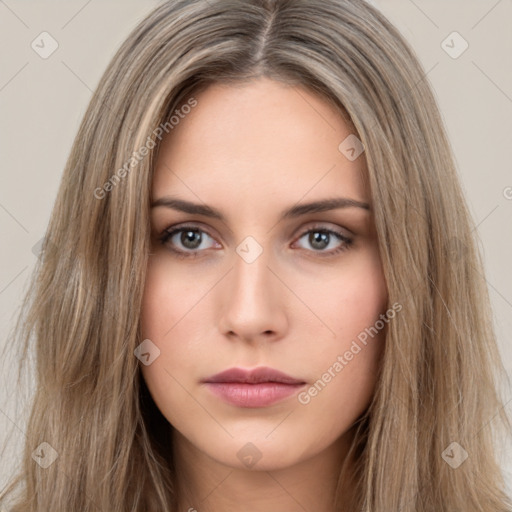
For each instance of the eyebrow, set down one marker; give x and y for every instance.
(292, 212)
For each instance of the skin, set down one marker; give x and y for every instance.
(252, 151)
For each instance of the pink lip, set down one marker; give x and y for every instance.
(260, 387)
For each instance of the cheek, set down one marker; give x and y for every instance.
(363, 297)
(349, 300)
(161, 310)
(157, 320)
(171, 317)
(167, 302)
(354, 297)
(157, 301)
(348, 361)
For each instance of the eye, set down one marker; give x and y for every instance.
(320, 237)
(193, 240)
(190, 237)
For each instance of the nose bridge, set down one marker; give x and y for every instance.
(250, 300)
(251, 275)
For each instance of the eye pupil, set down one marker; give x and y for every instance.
(189, 236)
(318, 236)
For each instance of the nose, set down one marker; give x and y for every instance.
(252, 302)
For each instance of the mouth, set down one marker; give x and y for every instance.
(260, 387)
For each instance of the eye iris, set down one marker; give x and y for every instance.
(189, 236)
(318, 236)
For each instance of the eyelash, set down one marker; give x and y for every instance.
(169, 233)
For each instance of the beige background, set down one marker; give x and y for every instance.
(43, 100)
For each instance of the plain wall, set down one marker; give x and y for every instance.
(43, 100)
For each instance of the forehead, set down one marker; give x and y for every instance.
(257, 141)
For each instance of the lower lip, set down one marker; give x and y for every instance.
(253, 395)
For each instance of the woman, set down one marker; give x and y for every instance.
(196, 348)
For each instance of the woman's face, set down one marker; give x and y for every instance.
(258, 288)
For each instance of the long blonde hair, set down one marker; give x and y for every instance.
(438, 384)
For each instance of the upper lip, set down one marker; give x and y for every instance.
(254, 376)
